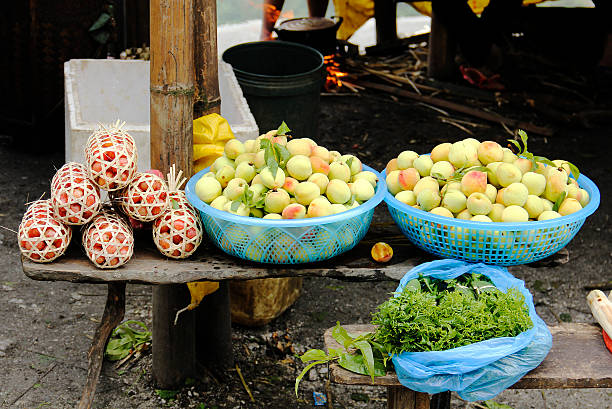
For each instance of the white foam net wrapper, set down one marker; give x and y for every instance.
(177, 233)
(145, 198)
(111, 157)
(108, 240)
(41, 237)
(75, 198)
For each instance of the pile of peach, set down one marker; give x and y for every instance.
(484, 182)
(307, 181)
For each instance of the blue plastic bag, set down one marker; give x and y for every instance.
(481, 370)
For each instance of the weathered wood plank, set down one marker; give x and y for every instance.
(148, 266)
(578, 359)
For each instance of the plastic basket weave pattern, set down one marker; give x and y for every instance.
(502, 244)
(293, 241)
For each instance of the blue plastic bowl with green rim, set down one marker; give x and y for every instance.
(495, 243)
(293, 241)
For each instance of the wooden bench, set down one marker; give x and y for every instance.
(577, 359)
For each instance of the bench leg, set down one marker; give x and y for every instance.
(385, 15)
(173, 345)
(399, 397)
(113, 314)
(441, 54)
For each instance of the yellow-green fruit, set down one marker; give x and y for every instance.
(508, 173)
(560, 163)
(441, 211)
(276, 201)
(479, 203)
(244, 157)
(548, 205)
(306, 192)
(454, 201)
(220, 162)
(299, 167)
(367, 175)
(208, 189)
(300, 146)
(233, 148)
(258, 190)
(235, 188)
(481, 218)
(355, 164)
(225, 174)
(290, 184)
(255, 212)
(474, 143)
(270, 181)
(426, 183)
(509, 156)
(584, 197)
(535, 183)
(491, 192)
(525, 165)
(320, 207)
(442, 170)
(491, 176)
(334, 156)
(489, 152)
(209, 175)
(273, 216)
(548, 214)
(464, 215)
(220, 202)
(569, 206)
(515, 194)
(405, 159)
(407, 197)
(260, 160)
(362, 190)
(423, 165)
(320, 180)
(257, 180)
(462, 155)
(393, 185)
(339, 170)
(496, 212)
(428, 199)
(242, 210)
(245, 171)
(514, 214)
(450, 186)
(251, 146)
(338, 208)
(338, 191)
(321, 152)
(440, 152)
(534, 206)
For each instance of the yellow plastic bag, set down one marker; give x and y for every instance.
(198, 290)
(210, 133)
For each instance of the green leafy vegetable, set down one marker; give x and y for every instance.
(125, 339)
(559, 200)
(283, 129)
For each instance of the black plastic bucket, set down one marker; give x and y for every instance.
(281, 81)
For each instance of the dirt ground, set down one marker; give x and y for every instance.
(47, 327)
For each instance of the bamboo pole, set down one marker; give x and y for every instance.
(207, 99)
(172, 91)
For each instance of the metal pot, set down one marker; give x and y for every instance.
(316, 32)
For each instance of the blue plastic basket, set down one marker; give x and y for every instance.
(502, 244)
(292, 241)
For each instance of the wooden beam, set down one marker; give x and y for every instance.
(172, 91)
(442, 50)
(207, 99)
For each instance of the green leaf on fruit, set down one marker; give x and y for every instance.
(264, 143)
(282, 153)
(574, 170)
(349, 161)
(283, 129)
(235, 205)
(559, 200)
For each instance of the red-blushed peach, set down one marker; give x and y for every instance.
(525, 165)
(489, 152)
(440, 152)
(318, 165)
(321, 152)
(474, 181)
(393, 184)
(294, 211)
(408, 178)
(381, 252)
(391, 166)
(556, 180)
(320, 207)
(290, 184)
(500, 196)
